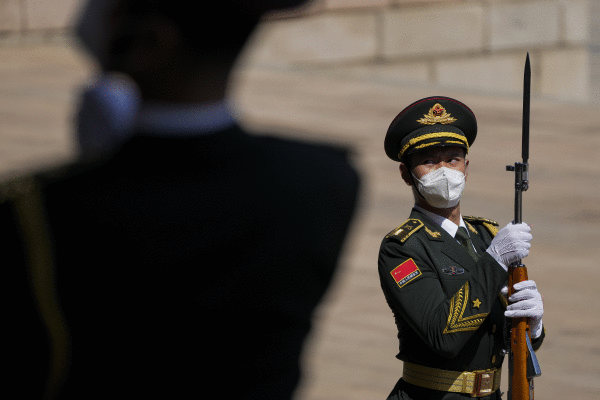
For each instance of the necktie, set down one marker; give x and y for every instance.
(463, 237)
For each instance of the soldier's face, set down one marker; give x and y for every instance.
(430, 159)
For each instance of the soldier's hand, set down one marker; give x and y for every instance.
(510, 244)
(527, 302)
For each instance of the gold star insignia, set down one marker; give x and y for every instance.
(476, 303)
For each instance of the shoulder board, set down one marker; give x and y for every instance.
(70, 168)
(14, 188)
(479, 220)
(403, 232)
(490, 225)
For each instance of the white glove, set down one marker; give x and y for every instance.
(510, 244)
(526, 302)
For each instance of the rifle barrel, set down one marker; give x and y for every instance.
(520, 387)
(526, 108)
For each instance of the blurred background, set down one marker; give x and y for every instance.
(339, 71)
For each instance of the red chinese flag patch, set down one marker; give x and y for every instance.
(405, 272)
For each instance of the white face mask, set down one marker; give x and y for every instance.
(441, 188)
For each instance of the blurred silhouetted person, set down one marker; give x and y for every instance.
(180, 257)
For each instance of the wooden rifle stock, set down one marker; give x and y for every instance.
(520, 387)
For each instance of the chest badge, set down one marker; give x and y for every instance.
(405, 272)
(453, 271)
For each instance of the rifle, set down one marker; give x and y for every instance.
(523, 365)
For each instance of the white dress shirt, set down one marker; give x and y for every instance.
(445, 223)
(162, 119)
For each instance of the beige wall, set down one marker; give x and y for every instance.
(474, 44)
(477, 45)
(19, 17)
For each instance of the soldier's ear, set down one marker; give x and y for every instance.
(466, 168)
(405, 174)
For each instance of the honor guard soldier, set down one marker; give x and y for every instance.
(443, 274)
(181, 255)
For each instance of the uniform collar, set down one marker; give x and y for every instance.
(445, 223)
(167, 120)
(451, 248)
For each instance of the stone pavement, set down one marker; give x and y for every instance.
(350, 353)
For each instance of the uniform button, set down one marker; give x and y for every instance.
(494, 328)
(494, 359)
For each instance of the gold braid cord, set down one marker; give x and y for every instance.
(491, 228)
(458, 304)
(434, 135)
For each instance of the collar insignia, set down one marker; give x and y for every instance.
(453, 271)
(437, 115)
(433, 234)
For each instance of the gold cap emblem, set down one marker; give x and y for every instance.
(437, 115)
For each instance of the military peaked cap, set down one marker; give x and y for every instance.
(432, 121)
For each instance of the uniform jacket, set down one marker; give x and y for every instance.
(184, 266)
(447, 307)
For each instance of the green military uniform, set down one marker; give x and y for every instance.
(445, 297)
(447, 307)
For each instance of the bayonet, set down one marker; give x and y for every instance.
(521, 354)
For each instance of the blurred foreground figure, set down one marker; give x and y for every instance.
(443, 273)
(181, 257)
